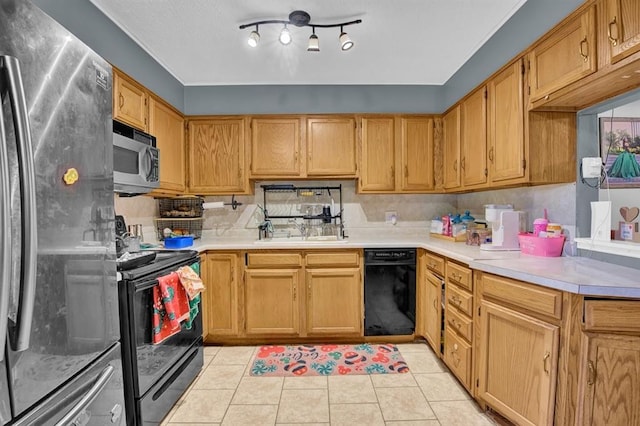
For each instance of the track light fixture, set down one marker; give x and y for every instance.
(300, 18)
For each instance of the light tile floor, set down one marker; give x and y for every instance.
(225, 394)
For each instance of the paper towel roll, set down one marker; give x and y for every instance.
(215, 205)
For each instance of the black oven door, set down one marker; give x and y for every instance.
(151, 361)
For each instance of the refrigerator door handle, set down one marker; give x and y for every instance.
(10, 66)
(5, 236)
(88, 398)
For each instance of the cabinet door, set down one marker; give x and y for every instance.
(220, 298)
(378, 159)
(331, 147)
(217, 156)
(451, 151)
(275, 147)
(334, 301)
(518, 364)
(129, 102)
(623, 18)
(474, 138)
(506, 125)
(167, 125)
(416, 146)
(271, 302)
(433, 311)
(566, 56)
(610, 381)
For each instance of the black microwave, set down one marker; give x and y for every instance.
(136, 160)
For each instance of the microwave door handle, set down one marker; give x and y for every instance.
(147, 163)
(11, 69)
(5, 233)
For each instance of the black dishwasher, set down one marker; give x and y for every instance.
(389, 291)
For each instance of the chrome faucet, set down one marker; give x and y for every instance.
(302, 227)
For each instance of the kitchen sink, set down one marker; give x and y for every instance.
(300, 240)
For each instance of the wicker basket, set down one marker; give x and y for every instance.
(180, 207)
(179, 227)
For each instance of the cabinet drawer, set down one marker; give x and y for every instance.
(531, 297)
(457, 356)
(267, 260)
(459, 299)
(345, 258)
(612, 315)
(460, 323)
(435, 263)
(460, 275)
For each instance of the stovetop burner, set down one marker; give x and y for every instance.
(133, 260)
(158, 260)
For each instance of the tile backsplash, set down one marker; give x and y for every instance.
(362, 210)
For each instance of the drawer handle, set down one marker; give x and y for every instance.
(613, 40)
(544, 362)
(456, 300)
(591, 379)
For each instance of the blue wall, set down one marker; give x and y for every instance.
(83, 19)
(87, 23)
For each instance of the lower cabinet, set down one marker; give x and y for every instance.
(610, 380)
(609, 375)
(220, 298)
(518, 356)
(282, 294)
(518, 351)
(271, 302)
(334, 301)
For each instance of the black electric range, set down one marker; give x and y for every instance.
(156, 375)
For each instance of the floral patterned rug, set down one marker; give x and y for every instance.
(325, 360)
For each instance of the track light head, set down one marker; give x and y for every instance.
(314, 43)
(345, 41)
(285, 36)
(254, 38)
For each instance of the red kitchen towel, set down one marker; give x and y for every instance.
(170, 307)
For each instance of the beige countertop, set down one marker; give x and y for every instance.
(579, 275)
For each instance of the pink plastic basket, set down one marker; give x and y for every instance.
(540, 246)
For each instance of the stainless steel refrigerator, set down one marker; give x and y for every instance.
(60, 362)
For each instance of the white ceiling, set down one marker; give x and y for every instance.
(421, 42)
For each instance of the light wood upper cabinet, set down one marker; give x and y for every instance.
(506, 124)
(623, 28)
(276, 144)
(272, 301)
(518, 363)
(129, 101)
(334, 301)
(331, 146)
(378, 154)
(416, 153)
(451, 151)
(220, 302)
(473, 120)
(167, 125)
(217, 156)
(567, 55)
